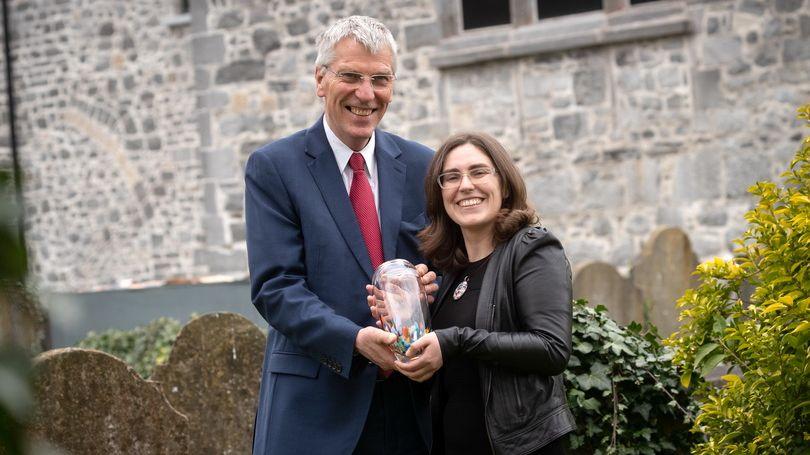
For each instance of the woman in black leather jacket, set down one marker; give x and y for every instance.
(502, 317)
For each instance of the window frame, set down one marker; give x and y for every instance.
(618, 21)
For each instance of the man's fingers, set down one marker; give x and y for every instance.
(387, 337)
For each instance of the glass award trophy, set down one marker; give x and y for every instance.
(401, 303)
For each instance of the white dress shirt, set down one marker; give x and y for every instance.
(343, 153)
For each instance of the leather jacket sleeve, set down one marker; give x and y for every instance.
(534, 333)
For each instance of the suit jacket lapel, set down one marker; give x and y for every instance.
(325, 172)
(391, 178)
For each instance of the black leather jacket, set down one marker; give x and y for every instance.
(521, 340)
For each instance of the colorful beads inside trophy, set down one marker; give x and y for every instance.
(407, 336)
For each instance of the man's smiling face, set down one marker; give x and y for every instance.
(353, 111)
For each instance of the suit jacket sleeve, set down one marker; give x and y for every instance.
(278, 273)
(542, 300)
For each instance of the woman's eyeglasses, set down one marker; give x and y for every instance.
(452, 179)
(378, 81)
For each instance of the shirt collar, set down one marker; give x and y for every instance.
(343, 152)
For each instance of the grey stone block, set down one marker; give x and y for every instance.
(213, 100)
(698, 176)
(240, 71)
(706, 89)
(713, 217)
(210, 198)
(721, 50)
(553, 192)
(153, 143)
(603, 191)
(106, 29)
(755, 7)
(265, 40)
(712, 24)
(796, 49)
(546, 85)
(234, 203)
(298, 26)
(569, 126)
(204, 129)
(202, 79)
(804, 22)
(220, 164)
(221, 261)
(231, 19)
(589, 87)
(133, 144)
(236, 124)
(744, 168)
(420, 35)
(129, 82)
(238, 232)
(787, 6)
(214, 227)
(208, 49)
(148, 125)
(626, 56)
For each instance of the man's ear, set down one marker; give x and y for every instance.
(320, 90)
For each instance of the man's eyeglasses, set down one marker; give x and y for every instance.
(452, 179)
(378, 81)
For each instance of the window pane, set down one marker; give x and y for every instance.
(485, 13)
(636, 2)
(554, 8)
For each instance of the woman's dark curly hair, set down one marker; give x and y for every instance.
(442, 242)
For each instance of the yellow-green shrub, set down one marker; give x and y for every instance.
(763, 405)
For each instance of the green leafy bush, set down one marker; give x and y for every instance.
(141, 348)
(766, 407)
(624, 390)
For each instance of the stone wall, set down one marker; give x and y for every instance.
(136, 121)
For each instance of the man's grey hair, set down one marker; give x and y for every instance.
(369, 32)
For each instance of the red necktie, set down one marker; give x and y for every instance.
(364, 209)
(366, 212)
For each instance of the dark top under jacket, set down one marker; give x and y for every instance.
(458, 426)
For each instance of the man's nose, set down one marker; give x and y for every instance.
(365, 91)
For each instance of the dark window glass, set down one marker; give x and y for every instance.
(485, 13)
(636, 2)
(554, 8)
(183, 6)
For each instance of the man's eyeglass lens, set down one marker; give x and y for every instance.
(352, 78)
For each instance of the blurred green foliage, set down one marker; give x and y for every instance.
(16, 397)
(624, 390)
(141, 348)
(764, 404)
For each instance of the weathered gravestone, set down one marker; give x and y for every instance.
(600, 284)
(662, 272)
(212, 377)
(89, 402)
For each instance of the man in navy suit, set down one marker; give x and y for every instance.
(324, 206)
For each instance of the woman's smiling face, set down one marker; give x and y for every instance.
(474, 204)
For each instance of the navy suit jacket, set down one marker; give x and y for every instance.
(308, 269)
